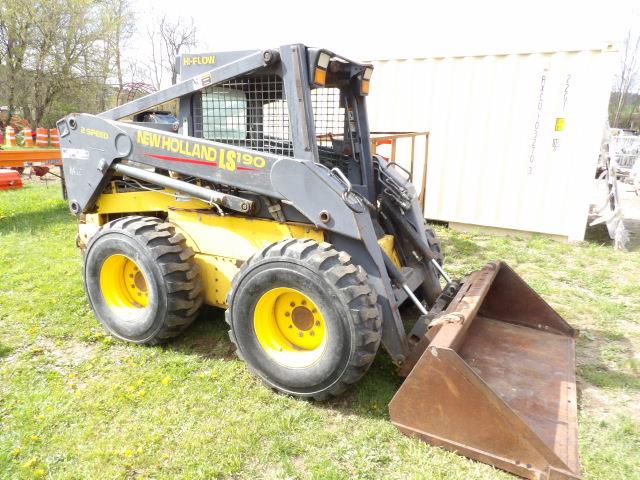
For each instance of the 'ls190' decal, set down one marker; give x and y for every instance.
(197, 153)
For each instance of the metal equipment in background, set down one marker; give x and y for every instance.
(40, 161)
(9, 179)
(618, 173)
(270, 203)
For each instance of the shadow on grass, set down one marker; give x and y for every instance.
(599, 234)
(24, 221)
(594, 367)
(464, 246)
(603, 377)
(208, 338)
(4, 350)
(633, 228)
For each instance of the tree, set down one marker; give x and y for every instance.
(167, 40)
(623, 102)
(124, 28)
(175, 38)
(56, 55)
(14, 38)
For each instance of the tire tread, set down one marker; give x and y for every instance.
(185, 290)
(359, 297)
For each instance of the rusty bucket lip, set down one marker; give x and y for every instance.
(466, 305)
(445, 334)
(445, 340)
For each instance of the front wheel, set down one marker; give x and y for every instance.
(141, 280)
(304, 318)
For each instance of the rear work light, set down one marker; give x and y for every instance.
(320, 72)
(364, 83)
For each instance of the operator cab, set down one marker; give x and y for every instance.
(253, 111)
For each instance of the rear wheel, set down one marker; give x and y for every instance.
(434, 244)
(431, 287)
(141, 280)
(304, 318)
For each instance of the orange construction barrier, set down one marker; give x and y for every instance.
(54, 136)
(10, 137)
(42, 137)
(28, 137)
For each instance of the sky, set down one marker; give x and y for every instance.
(400, 28)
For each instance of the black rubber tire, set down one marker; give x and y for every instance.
(342, 293)
(431, 288)
(173, 281)
(434, 244)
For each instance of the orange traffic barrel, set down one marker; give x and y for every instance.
(54, 136)
(28, 137)
(42, 137)
(10, 137)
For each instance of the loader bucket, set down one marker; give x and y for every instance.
(495, 380)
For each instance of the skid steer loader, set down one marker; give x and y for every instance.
(269, 203)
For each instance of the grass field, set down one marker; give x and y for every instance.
(76, 404)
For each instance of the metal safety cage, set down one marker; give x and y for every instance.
(252, 112)
(247, 111)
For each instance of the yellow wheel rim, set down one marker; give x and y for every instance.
(290, 327)
(123, 284)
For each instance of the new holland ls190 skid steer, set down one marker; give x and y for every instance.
(268, 202)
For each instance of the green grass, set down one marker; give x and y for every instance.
(76, 404)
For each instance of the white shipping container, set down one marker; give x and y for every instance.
(514, 138)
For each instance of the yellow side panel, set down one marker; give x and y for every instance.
(223, 244)
(148, 201)
(387, 243)
(217, 274)
(88, 226)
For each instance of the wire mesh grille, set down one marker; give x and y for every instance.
(248, 112)
(252, 112)
(329, 119)
(328, 115)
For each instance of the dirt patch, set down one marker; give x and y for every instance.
(60, 357)
(74, 354)
(606, 404)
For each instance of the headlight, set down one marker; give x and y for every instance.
(364, 83)
(320, 71)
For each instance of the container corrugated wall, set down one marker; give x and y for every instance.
(514, 139)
